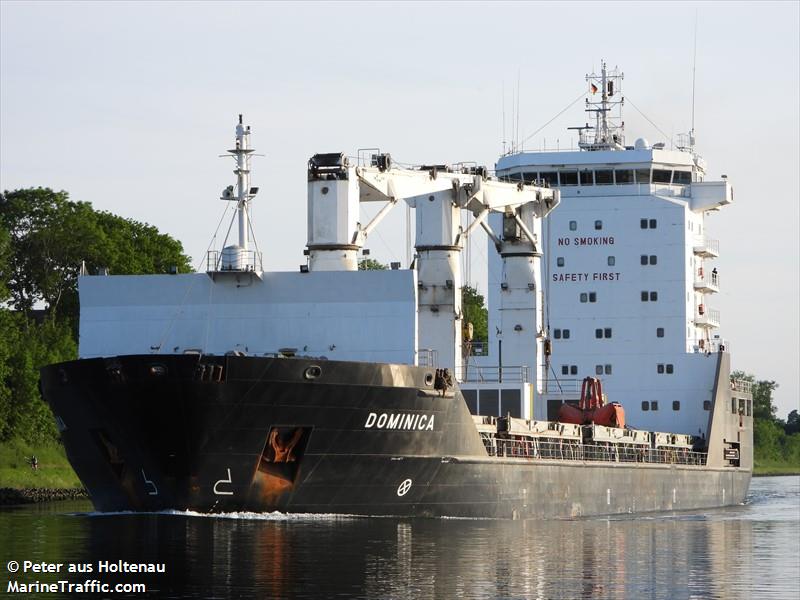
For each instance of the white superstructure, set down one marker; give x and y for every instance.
(630, 272)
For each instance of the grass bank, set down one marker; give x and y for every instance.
(775, 467)
(54, 470)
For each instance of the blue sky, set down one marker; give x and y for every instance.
(127, 105)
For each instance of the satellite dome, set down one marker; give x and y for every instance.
(641, 144)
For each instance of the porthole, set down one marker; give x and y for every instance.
(428, 378)
(312, 372)
(324, 190)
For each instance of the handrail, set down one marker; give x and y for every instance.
(566, 450)
(493, 374)
(244, 260)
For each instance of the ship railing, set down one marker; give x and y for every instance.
(707, 248)
(562, 386)
(708, 317)
(427, 357)
(234, 261)
(706, 280)
(493, 374)
(711, 346)
(570, 450)
(742, 385)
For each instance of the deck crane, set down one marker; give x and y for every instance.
(438, 194)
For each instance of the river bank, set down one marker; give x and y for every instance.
(53, 473)
(774, 468)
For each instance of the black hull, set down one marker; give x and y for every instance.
(227, 434)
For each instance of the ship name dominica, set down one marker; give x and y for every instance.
(404, 421)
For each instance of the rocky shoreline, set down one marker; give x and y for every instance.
(10, 496)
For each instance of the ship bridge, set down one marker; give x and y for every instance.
(629, 266)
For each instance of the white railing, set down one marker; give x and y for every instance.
(235, 261)
(493, 374)
(706, 247)
(562, 450)
(562, 386)
(706, 280)
(742, 385)
(707, 317)
(711, 346)
(427, 357)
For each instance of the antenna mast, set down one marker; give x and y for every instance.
(694, 77)
(238, 257)
(608, 132)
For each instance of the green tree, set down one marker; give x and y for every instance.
(370, 264)
(773, 440)
(792, 423)
(475, 312)
(51, 236)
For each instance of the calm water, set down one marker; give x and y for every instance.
(750, 551)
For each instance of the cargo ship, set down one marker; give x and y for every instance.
(344, 391)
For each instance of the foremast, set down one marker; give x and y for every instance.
(238, 256)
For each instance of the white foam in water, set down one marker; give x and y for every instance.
(251, 516)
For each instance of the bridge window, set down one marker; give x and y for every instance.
(528, 177)
(623, 176)
(587, 177)
(604, 177)
(676, 405)
(550, 178)
(682, 177)
(662, 175)
(653, 405)
(568, 177)
(706, 404)
(645, 405)
(642, 175)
